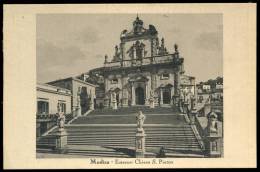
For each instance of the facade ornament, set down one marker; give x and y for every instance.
(117, 54)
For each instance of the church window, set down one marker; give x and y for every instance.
(114, 81)
(165, 76)
(42, 107)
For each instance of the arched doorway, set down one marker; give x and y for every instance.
(139, 96)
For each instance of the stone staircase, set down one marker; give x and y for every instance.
(178, 140)
(135, 109)
(89, 151)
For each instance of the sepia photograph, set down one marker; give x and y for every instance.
(154, 87)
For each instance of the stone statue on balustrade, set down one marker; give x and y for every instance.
(61, 119)
(212, 123)
(140, 121)
(151, 99)
(60, 134)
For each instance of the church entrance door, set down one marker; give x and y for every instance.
(139, 96)
(166, 97)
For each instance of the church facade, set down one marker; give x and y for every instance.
(140, 70)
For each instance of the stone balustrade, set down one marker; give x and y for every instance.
(144, 61)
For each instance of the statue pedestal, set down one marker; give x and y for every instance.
(114, 105)
(61, 141)
(140, 144)
(213, 145)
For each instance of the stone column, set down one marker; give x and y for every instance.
(133, 94)
(124, 91)
(146, 95)
(161, 96)
(171, 103)
(91, 102)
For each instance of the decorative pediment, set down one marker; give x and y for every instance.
(138, 78)
(114, 89)
(166, 85)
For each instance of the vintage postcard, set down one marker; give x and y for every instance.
(129, 86)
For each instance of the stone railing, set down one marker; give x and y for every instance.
(139, 62)
(46, 117)
(209, 129)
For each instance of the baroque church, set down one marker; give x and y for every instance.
(142, 77)
(141, 69)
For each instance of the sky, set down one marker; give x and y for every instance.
(70, 44)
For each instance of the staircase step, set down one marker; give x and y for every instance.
(176, 155)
